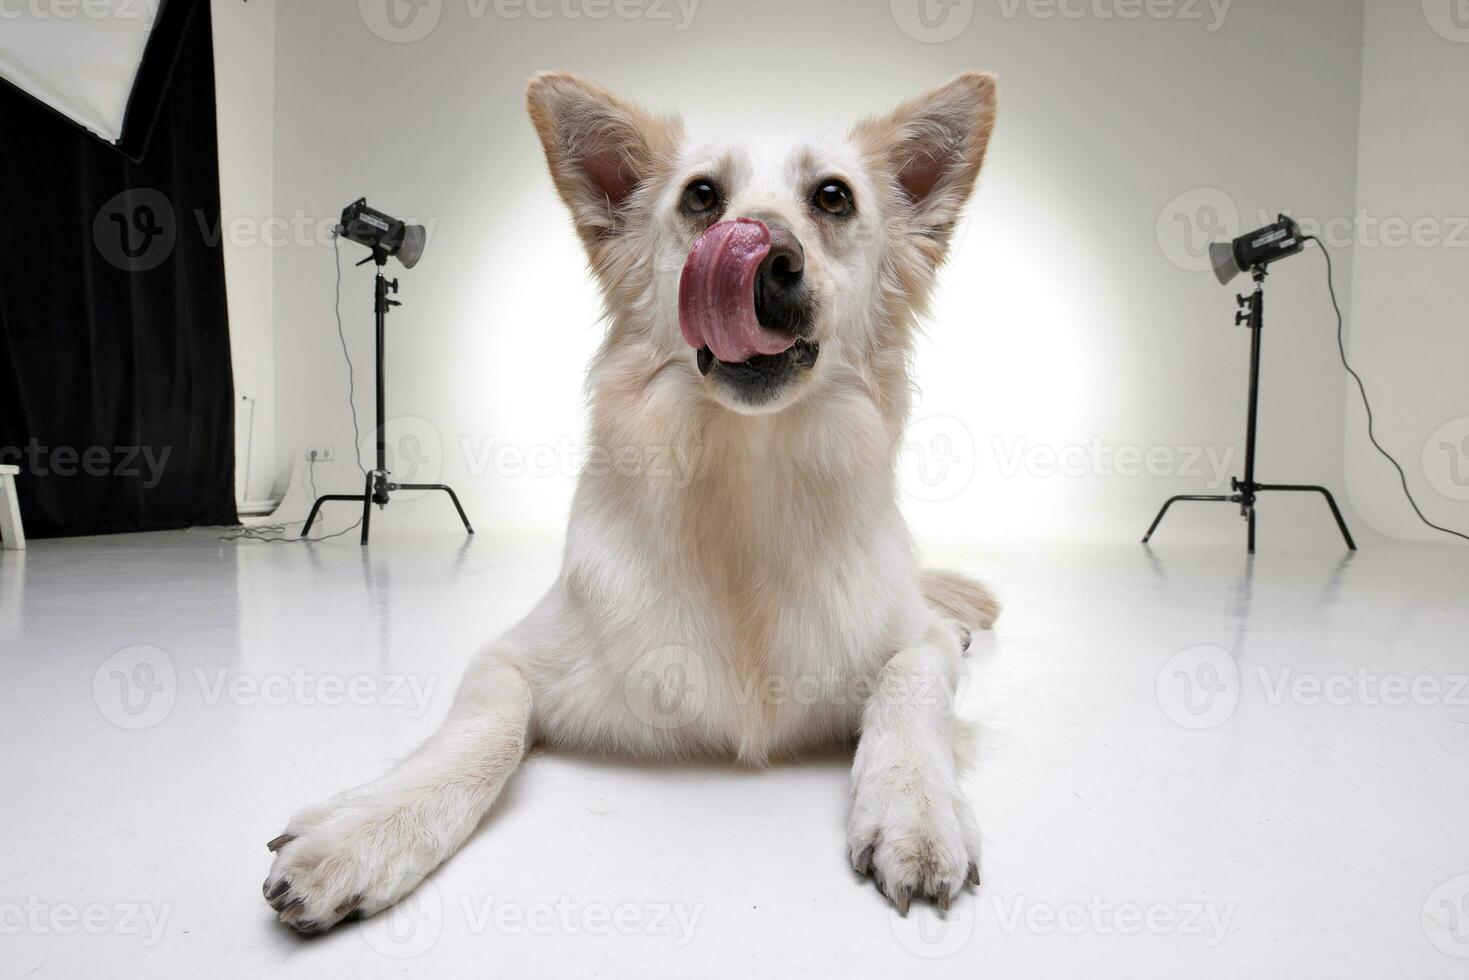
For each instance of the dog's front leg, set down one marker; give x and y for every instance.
(363, 850)
(911, 826)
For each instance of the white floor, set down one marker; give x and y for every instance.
(1193, 765)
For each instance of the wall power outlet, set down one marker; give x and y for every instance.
(319, 454)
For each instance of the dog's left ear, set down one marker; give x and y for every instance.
(600, 148)
(932, 147)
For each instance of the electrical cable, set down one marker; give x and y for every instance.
(267, 532)
(1341, 348)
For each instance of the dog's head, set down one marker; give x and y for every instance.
(757, 269)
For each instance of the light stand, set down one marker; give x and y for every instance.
(1246, 491)
(378, 487)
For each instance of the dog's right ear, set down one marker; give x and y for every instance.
(601, 150)
(932, 147)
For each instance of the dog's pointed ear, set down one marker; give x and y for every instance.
(932, 148)
(600, 148)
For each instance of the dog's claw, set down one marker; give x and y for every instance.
(863, 864)
(349, 906)
(973, 878)
(279, 842)
(280, 889)
(903, 899)
(942, 900)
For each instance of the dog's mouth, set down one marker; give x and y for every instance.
(762, 378)
(744, 307)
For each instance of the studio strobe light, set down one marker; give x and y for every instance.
(1257, 249)
(385, 236)
(1254, 253)
(382, 233)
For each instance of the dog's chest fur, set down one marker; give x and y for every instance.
(771, 585)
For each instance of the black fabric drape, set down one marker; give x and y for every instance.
(116, 392)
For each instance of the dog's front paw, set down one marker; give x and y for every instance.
(912, 829)
(352, 856)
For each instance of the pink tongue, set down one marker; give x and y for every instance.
(716, 295)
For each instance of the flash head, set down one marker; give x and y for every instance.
(382, 233)
(1257, 249)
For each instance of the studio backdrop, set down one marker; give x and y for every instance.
(116, 398)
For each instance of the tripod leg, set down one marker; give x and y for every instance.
(1340, 522)
(1209, 498)
(446, 489)
(311, 517)
(316, 508)
(1159, 519)
(1330, 502)
(1250, 519)
(366, 510)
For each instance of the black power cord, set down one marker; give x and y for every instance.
(274, 533)
(1341, 348)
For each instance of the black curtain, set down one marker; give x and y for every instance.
(116, 392)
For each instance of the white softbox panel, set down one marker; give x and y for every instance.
(79, 57)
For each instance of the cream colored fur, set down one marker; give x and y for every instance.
(770, 603)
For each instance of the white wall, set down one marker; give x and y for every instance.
(1409, 334)
(1066, 316)
(244, 68)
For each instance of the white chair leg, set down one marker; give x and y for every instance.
(12, 535)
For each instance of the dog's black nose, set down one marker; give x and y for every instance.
(782, 301)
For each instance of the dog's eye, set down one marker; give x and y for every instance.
(700, 197)
(834, 198)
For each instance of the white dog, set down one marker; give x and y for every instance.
(761, 301)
